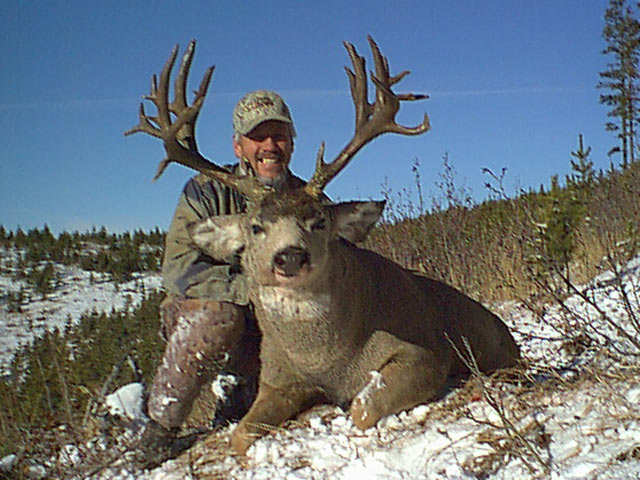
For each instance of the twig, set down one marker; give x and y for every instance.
(512, 431)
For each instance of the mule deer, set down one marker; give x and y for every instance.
(340, 324)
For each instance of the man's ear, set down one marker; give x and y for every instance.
(220, 237)
(237, 148)
(353, 220)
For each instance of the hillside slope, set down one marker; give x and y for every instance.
(572, 412)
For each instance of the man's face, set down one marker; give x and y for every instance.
(267, 148)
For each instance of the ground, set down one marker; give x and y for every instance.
(572, 411)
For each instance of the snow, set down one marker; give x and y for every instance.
(577, 420)
(7, 463)
(223, 384)
(80, 292)
(127, 402)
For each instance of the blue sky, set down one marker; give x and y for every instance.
(512, 84)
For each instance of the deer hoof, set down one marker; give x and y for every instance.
(241, 440)
(363, 414)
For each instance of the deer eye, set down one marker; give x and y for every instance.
(319, 225)
(256, 229)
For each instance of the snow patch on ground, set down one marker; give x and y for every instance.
(127, 402)
(588, 432)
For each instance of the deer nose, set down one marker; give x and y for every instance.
(290, 260)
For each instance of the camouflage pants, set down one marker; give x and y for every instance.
(202, 336)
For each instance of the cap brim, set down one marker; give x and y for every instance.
(277, 118)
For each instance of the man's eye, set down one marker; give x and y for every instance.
(256, 229)
(319, 225)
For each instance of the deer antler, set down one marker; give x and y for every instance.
(175, 124)
(371, 119)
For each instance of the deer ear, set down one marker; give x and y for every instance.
(219, 237)
(353, 220)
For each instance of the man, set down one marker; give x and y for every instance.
(206, 317)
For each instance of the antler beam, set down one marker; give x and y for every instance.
(371, 120)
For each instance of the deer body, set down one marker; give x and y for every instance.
(341, 324)
(336, 334)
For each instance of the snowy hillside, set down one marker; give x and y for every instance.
(78, 292)
(566, 416)
(573, 411)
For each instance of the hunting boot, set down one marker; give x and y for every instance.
(159, 444)
(201, 335)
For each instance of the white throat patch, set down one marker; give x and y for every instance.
(290, 304)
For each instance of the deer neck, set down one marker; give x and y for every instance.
(310, 318)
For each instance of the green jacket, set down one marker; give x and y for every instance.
(186, 270)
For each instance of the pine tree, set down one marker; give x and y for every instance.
(561, 214)
(19, 239)
(584, 174)
(621, 79)
(583, 179)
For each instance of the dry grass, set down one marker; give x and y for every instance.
(494, 250)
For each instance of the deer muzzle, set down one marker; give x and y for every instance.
(291, 261)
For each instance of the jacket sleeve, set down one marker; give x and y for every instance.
(186, 270)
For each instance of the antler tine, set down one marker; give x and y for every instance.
(371, 120)
(154, 84)
(358, 85)
(161, 93)
(146, 124)
(381, 65)
(180, 100)
(186, 133)
(178, 134)
(320, 157)
(388, 99)
(153, 125)
(392, 127)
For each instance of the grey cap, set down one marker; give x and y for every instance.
(260, 106)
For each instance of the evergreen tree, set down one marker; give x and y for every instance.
(584, 174)
(43, 279)
(583, 178)
(561, 215)
(19, 239)
(622, 35)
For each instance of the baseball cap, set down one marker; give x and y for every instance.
(260, 106)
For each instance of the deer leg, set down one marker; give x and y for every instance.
(272, 407)
(411, 376)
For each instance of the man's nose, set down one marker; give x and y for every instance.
(269, 143)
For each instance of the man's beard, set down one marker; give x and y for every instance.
(278, 183)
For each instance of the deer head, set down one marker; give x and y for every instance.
(285, 241)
